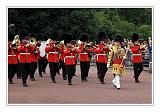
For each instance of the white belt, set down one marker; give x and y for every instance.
(11, 55)
(136, 54)
(67, 57)
(100, 55)
(53, 52)
(24, 53)
(83, 53)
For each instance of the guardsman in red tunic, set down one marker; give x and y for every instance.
(69, 59)
(116, 57)
(42, 58)
(52, 51)
(12, 58)
(84, 56)
(73, 42)
(25, 50)
(136, 57)
(101, 56)
(62, 55)
(34, 55)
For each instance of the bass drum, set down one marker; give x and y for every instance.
(42, 49)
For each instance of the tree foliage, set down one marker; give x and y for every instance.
(77, 20)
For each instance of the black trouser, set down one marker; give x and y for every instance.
(25, 71)
(75, 69)
(102, 69)
(98, 74)
(70, 72)
(18, 70)
(84, 65)
(45, 65)
(33, 69)
(12, 69)
(59, 66)
(63, 69)
(138, 68)
(53, 69)
(42, 64)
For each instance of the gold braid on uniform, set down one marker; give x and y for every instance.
(114, 52)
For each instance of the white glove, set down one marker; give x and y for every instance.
(108, 65)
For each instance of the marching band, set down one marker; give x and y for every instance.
(27, 52)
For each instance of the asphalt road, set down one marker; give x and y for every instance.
(42, 91)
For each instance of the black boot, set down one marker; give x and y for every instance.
(137, 80)
(25, 85)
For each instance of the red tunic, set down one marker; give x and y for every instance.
(70, 58)
(136, 54)
(118, 60)
(25, 53)
(12, 56)
(34, 55)
(62, 55)
(84, 56)
(101, 51)
(53, 54)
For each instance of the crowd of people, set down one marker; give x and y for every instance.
(27, 52)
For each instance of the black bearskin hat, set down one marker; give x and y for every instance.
(33, 35)
(42, 37)
(23, 34)
(74, 37)
(54, 36)
(62, 37)
(118, 38)
(10, 36)
(102, 36)
(135, 37)
(46, 37)
(84, 37)
(67, 38)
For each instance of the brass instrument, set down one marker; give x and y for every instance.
(15, 42)
(55, 44)
(32, 41)
(48, 42)
(76, 43)
(61, 42)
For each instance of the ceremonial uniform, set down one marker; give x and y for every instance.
(24, 56)
(84, 57)
(12, 59)
(136, 58)
(42, 58)
(69, 59)
(34, 56)
(116, 58)
(101, 57)
(53, 56)
(62, 55)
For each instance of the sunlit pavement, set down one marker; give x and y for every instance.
(42, 91)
